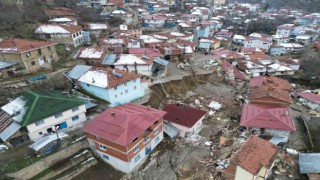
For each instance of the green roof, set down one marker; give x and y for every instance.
(43, 104)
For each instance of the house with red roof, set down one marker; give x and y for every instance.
(275, 121)
(254, 160)
(186, 119)
(311, 100)
(31, 55)
(125, 135)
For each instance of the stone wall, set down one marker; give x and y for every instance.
(45, 163)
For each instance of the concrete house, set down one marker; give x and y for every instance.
(154, 21)
(92, 55)
(30, 54)
(261, 43)
(44, 112)
(186, 119)
(135, 64)
(254, 160)
(96, 29)
(266, 120)
(59, 33)
(114, 86)
(125, 135)
(285, 30)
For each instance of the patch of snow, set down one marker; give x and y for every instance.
(98, 26)
(51, 29)
(91, 53)
(215, 105)
(97, 78)
(129, 59)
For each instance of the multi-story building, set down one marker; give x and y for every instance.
(45, 112)
(125, 135)
(30, 54)
(59, 33)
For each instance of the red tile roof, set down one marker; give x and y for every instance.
(145, 51)
(267, 117)
(271, 82)
(226, 66)
(253, 155)
(310, 97)
(128, 122)
(183, 115)
(18, 46)
(263, 92)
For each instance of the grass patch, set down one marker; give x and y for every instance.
(20, 164)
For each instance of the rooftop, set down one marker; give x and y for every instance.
(122, 124)
(18, 46)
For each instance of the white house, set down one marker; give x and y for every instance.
(262, 43)
(114, 86)
(186, 119)
(132, 63)
(285, 30)
(154, 21)
(59, 33)
(46, 112)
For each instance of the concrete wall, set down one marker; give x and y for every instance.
(242, 174)
(51, 122)
(257, 44)
(183, 130)
(141, 69)
(45, 163)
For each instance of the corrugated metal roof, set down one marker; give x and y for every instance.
(161, 61)
(9, 131)
(109, 59)
(170, 130)
(78, 71)
(309, 163)
(42, 142)
(5, 64)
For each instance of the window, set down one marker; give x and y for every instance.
(105, 157)
(49, 48)
(103, 147)
(38, 123)
(74, 35)
(135, 149)
(40, 133)
(157, 139)
(58, 115)
(28, 54)
(134, 87)
(74, 118)
(126, 91)
(33, 63)
(88, 85)
(75, 109)
(115, 96)
(115, 88)
(147, 139)
(125, 84)
(137, 158)
(156, 131)
(80, 32)
(77, 34)
(39, 51)
(134, 80)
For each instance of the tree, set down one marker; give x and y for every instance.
(310, 64)
(115, 21)
(11, 14)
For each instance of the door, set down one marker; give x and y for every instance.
(148, 149)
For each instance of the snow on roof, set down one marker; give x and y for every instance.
(114, 41)
(251, 65)
(239, 37)
(303, 37)
(118, 12)
(186, 49)
(177, 34)
(291, 45)
(160, 37)
(16, 108)
(91, 53)
(95, 77)
(196, 13)
(97, 26)
(51, 29)
(149, 39)
(184, 25)
(129, 59)
(63, 19)
(123, 27)
(279, 67)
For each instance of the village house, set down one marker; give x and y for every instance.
(267, 120)
(96, 29)
(36, 113)
(130, 29)
(284, 48)
(231, 72)
(114, 45)
(132, 63)
(186, 119)
(252, 50)
(270, 91)
(125, 15)
(169, 51)
(31, 55)
(261, 43)
(285, 30)
(208, 44)
(277, 39)
(310, 100)
(92, 55)
(114, 86)
(59, 12)
(224, 33)
(64, 20)
(59, 33)
(153, 21)
(150, 52)
(247, 163)
(125, 135)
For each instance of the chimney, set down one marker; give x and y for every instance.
(113, 114)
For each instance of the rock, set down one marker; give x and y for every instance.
(223, 140)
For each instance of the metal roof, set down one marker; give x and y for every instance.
(109, 59)
(9, 131)
(78, 71)
(309, 163)
(161, 61)
(5, 64)
(42, 142)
